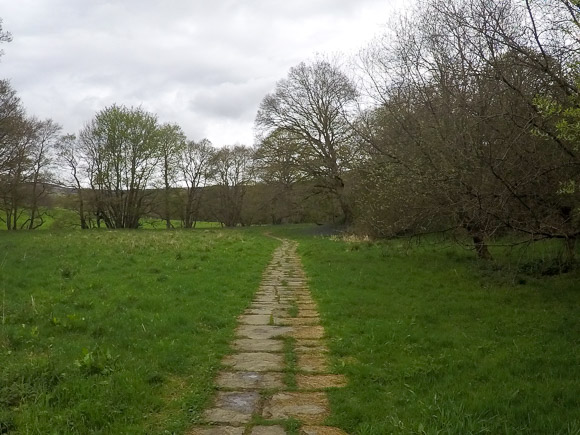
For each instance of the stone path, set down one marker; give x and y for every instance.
(279, 368)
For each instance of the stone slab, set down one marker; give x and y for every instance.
(233, 408)
(268, 430)
(308, 332)
(259, 311)
(269, 305)
(270, 299)
(300, 321)
(304, 299)
(308, 313)
(287, 299)
(258, 345)
(255, 361)
(281, 312)
(310, 408)
(250, 380)
(309, 342)
(319, 382)
(321, 430)
(312, 362)
(263, 332)
(254, 319)
(219, 430)
(311, 349)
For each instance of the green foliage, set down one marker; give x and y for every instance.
(96, 362)
(565, 117)
(290, 359)
(123, 147)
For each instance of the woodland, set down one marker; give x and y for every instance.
(462, 118)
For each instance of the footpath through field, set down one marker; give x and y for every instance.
(279, 370)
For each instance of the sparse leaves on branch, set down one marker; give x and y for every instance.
(123, 148)
(313, 107)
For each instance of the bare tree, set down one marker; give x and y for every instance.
(456, 84)
(233, 172)
(26, 174)
(70, 157)
(11, 118)
(195, 164)
(312, 105)
(25, 145)
(46, 135)
(171, 142)
(531, 49)
(4, 36)
(25, 156)
(16, 171)
(278, 166)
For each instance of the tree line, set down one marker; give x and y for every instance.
(463, 116)
(125, 165)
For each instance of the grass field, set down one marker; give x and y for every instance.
(434, 342)
(123, 331)
(65, 219)
(118, 332)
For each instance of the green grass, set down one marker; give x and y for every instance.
(432, 341)
(155, 224)
(118, 331)
(54, 219)
(66, 219)
(290, 359)
(123, 331)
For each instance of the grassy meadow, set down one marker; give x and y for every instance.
(57, 219)
(118, 331)
(435, 342)
(123, 331)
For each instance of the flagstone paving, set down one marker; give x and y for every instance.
(254, 382)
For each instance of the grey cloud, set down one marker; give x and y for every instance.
(203, 64)
(230, 100)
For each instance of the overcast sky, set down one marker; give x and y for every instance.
(203, 64)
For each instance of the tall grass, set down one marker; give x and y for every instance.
(434, 341)
(118, 332)
(122, 332)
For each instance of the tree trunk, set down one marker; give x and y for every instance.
(32, 216)
(346, 211)
(13, 224)
(84, 224)
(570, 244)
(34, 204)
(347, 214)
(167, 190)
(481, 248)
(167, 214)
(187, 211)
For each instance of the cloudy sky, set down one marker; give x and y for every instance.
(203, 64)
